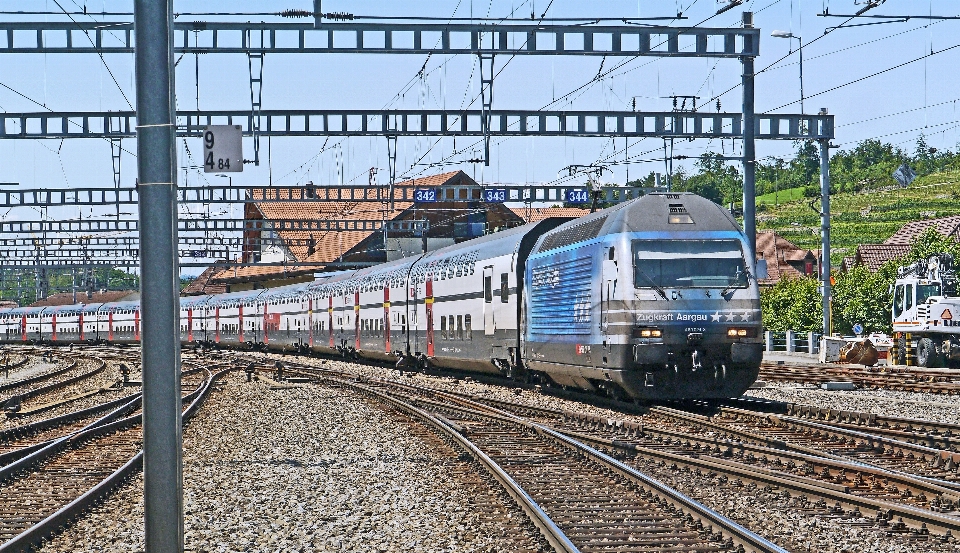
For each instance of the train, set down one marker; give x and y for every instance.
(652, 299)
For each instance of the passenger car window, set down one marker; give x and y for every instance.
(504, 287)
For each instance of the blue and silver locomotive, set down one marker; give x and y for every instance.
(651, 299)
(655, 298)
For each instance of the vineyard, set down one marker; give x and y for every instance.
(866, 217)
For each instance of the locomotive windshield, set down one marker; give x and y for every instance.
(688, 264)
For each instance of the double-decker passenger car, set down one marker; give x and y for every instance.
(653, 299)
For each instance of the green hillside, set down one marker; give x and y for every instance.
(867, 217)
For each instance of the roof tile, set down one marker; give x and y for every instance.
(536, 214)
(947, 226)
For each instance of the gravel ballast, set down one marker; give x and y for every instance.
(914, 405)
(307, 469)
(792, 525)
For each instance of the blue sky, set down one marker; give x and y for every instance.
(896, 106)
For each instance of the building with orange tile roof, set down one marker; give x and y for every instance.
(947, 226)
(67, 298)
(784, 258)
(873, 256)
(291, 256)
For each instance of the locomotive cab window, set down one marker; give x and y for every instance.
(689, 264)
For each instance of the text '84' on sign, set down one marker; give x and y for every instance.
(222, 149)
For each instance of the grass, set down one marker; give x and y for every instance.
(867, 217)
(781, 197)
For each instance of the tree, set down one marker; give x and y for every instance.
(716, 180)
(860, 296)
(793, 303)
(869, 165)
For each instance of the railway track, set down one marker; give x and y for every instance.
(76, 371)
(906, 379)
(822, 485)
(580, 498)
(43, 490)
(20, 441)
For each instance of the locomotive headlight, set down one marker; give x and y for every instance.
(647, 333)
(738, 333)
(732, 332)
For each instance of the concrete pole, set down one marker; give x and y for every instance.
(160, 277)
(749, 147)
(825, 230)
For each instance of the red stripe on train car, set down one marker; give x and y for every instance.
(310, 321)
(386, 316)
(356, 319)
(330, 325)
(428, 301)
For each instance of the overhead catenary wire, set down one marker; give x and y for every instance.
(861, 79)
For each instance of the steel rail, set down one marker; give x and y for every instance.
(947, 493)
(933, 458)
(550, 531)
(37, 378)
(28, 539)
(53, 386)
(729, 528)
(940, 435)
(919, 518)
(34, 428)
(885, 511)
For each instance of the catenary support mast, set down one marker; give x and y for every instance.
(159, 283)
(749, 147)
(825, 232)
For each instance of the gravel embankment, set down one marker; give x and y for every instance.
(307, 469)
